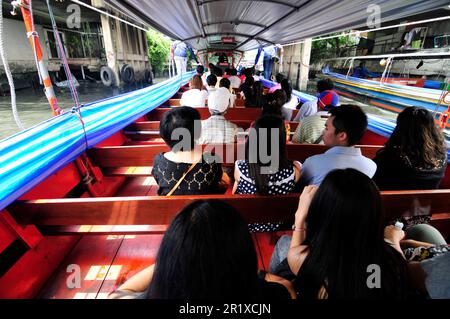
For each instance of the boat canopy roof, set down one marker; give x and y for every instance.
(251, 24)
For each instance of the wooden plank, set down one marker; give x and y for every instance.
(134, 171)
(95, 230)
(7, 235)
(151, 210)
(31, 272)
(135, 254)
(153, 126)
(155, 210)
(137, 186)
(232, 113)
(240, 103)
(29, 235)
(58, 184)
(143, 155)
(93, 255)
(174, 102)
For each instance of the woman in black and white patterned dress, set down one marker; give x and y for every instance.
(277, 176)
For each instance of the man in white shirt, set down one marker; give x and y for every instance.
(211, 82)
(222, 95)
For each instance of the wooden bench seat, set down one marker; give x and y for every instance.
(174, 102)
(147, 130)
(155, 210)
(234, 113)
(143, 155)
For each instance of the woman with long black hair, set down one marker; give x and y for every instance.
(206, 253)
(338, 243)
(415, 156)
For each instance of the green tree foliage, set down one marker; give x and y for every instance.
(158, 50)
(330, 48)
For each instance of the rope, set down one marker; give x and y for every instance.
(8, 73)
(76, 110)
(62, 53)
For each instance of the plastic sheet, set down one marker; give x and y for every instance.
(29, 157)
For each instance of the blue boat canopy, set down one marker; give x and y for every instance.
(29, 157)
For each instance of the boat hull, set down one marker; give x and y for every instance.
(391, 97)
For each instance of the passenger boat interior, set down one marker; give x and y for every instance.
(77, 190)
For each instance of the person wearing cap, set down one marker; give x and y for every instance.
(216, 129)
(326, 99)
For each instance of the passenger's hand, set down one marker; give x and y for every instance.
(393, 234)
(304, 202)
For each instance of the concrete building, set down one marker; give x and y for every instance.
(97, 41)
(425, 38)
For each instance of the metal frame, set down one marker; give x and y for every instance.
(201, 3)
(236, 22)
(227, 33)
(294, 10)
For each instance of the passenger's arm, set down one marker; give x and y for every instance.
(140, 281)
(236, 178)
(280, 280)
(300, 216)
(411, 243)
(393, 236)
(296, 249)
(298, 170)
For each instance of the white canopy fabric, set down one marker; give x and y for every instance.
(203, 23)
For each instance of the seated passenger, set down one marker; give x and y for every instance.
(415, 156)
(211, 82)
(343, 130)
(256, 175)
(273, 175)
(218, 73)
(428, 258)
(234, 79)
(338, 243)
(292, 100)
(196, 96)
(279, 77)
(205, 75)
(362, 72)
(247, 90)
(310, 130)
(216, 129)
(200, 70)
(254, 97)
(326, 98)
(206, 253)
(224, 87)
(184, 170)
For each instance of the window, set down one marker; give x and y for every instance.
(51, 44)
